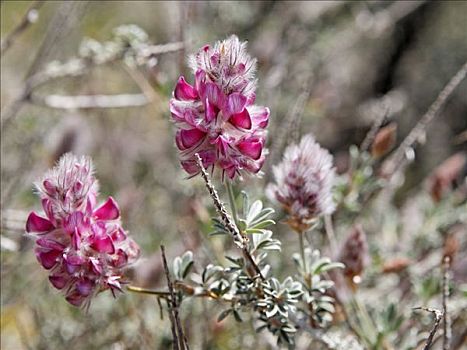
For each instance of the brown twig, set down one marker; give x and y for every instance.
(239, 239)
(446, 318)
(438, 317)
(30, 17)
(177, 329)
(396, 161)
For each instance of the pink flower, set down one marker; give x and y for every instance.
(304, 181)
(83, 246)
(216, 117)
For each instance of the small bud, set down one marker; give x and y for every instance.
(451, 241)
(445, 175)
(396, 265)
(354, 255)
(384, 140)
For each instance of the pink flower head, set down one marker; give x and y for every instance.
(216, 117)
(82, 245)
(304, 181)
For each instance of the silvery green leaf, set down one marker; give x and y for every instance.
(263, 215)
(254, 211)
(176, 267)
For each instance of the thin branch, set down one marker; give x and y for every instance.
(239, 239)
(90, 101)
(438, 317)
(179, 336)
(396, 161)
(72, 68)
(446, 318)
(370, 136)
(30, 17)
(156, 50)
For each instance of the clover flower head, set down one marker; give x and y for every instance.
(82, 245)
(216, 117)
(303, 182)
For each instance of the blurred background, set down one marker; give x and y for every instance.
(325, 67)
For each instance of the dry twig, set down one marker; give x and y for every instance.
(30, 17)
(438, 317)
(90, 101)
(180, 342)
(396, 161)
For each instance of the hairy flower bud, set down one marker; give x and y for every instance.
(354, 254)
(396, 265)
(216, 117)
(384, 140)
(82, 245)
(446, 174)
(303, 182)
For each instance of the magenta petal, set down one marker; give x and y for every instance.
(75, 298)
(184, 91)
(50, 244)
(241, 120)
(50, 188)
(200, 84)
(188, 138)
(133, 250)
(84, 287)
(58, 282)
(107, 211)
(215, 95)
(38, 224)
(235, 103)
(251, 148)
(120, 259)
(103, 245)
(190, 166)
(118, 235)
(74, 222)
(211, 111)
(259, 115)
(48, 259)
